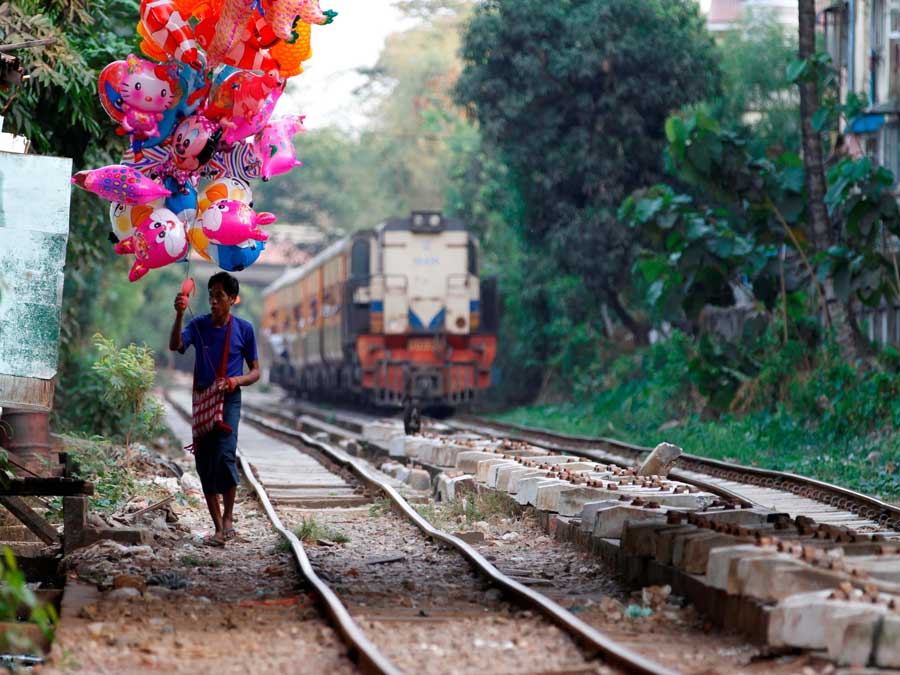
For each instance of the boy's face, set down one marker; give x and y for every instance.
(219, 302)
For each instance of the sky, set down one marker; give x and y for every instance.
(323, 92)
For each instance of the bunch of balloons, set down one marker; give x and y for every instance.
(201, 112)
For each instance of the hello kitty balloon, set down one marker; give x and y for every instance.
(137, 93)
(159, 240)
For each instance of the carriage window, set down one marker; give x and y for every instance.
(359, 259)
(473, 258)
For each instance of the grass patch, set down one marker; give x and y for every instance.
(488, 505)
(468, 509)
(437, 516)
(831, 420)
(310, 530)
(380, 507)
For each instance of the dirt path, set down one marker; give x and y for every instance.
(181, 607)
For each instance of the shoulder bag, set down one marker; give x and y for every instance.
(209, 404)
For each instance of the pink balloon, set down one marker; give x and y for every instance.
(274, 146)
(232, 222)
(120, 183)
(159, 240)
(243, 102)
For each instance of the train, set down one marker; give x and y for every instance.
(392, 316)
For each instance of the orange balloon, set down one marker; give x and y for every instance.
(290, 57)
(149, 47)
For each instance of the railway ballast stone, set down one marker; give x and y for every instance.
(418, 479)
(661, 460)
(348, 445)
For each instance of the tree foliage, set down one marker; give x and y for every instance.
(574, 95)
(757, 93)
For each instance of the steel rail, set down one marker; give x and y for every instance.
(362, 650)
(863, 505)
(613, 653)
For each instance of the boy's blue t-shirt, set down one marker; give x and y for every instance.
(208, 340)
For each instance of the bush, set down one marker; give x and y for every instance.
(14, 593)
(109, 396)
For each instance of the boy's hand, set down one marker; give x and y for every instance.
(228, 384)
(181, 303)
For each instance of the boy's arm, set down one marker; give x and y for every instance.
(248, 378)
(175, 342)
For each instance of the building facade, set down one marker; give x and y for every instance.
(863, 39)
(725, 15)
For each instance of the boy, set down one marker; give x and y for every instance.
(216, 452)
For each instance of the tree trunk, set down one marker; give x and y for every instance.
(638, 329)
(819, 234)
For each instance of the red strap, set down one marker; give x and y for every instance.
(223, 367)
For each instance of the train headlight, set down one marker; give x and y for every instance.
(434, 220)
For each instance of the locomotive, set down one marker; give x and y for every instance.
(393, 316)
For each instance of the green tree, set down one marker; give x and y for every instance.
(574, 95)
(756, 91)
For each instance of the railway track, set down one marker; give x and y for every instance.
(778, 490)
(823, 503)
(788, 560)
(293, 474)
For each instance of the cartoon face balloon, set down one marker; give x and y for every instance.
(124, 218)
(274, 146)
(194, 142)
(137, 93)
(231, 222)
(159, 240)
(224, 188)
